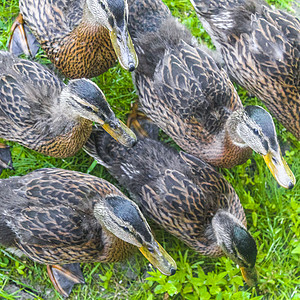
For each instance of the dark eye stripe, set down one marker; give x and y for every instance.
(137, 236)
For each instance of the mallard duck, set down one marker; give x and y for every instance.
(82, 38)
(184, 92)
(260, 47)
(62, 217)
(40, 112)
(183, 194)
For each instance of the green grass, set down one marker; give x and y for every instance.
(272, 214)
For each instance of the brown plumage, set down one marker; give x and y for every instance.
(40, 112)
(260, 47)
(51, 217)
(60, 217)
(188, 96)
(82, 38)
(181, 193)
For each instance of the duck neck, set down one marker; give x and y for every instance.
(111, 243)
(87, 16)
(231, 128)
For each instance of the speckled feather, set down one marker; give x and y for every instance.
(260, 47)
(178, 191)
(78, 49)
(30, 112)
(48, 214)
(182, 89)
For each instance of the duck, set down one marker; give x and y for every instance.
(40, 112)
(259, 47)
(183, 90)
(83, 39)
(181, 193)
(61, 218)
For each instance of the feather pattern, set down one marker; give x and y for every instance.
(31, 112)
(178, 191)
(52, 217)
(182, 89)
(77, 42)
(260, 47)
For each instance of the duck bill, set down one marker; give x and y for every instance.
(120, 132)
(124, 48)
(249, 275)
(280, 170)
(160, 259)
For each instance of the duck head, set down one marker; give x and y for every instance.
(254, 127)
(113, 15)
(122, 217)
(84, 98)
(237, 243)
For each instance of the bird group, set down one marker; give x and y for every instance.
(61, 218)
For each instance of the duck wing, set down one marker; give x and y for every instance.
(27, 92)
(48, 215)
(192, 85)
(51, 20)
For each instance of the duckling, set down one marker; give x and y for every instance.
(190, 98)
(61, 218)
(260, 47)
(181, 193)
(40, 112)
(82, 38)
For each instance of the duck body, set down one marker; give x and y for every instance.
(260, 48)
(183, 90)
(51, 218)
(181, 193)
(40, 112)
(30, 110)
(78, 40)
(62, 218)
(178, 191)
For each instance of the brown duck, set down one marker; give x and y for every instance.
(184, 92)
(82, 38)
(61, 218)
(40, 112)
(260, 47)
(181, 193)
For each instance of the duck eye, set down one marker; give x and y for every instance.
(119, 38)
(255, 131)
(151, 249)
(274, 160)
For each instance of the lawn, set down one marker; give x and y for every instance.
(272, 214)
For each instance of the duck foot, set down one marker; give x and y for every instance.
(22, 40)
(141, 125)
(5, 158)
(64, 277)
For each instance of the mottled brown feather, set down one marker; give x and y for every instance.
(181, 88)
(178, 191)
(77, 48)
(48, 214)
(30, 111)
(260, 47)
